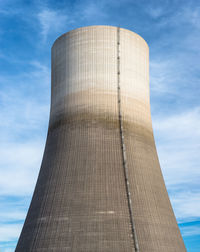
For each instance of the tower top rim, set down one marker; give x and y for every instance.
(99, 26)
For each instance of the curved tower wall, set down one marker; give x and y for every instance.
(100, 186)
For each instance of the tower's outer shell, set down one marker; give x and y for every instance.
(80, 202)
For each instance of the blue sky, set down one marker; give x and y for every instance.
(27, 31)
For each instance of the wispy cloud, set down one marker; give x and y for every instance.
(179, 126)
(178, 143)
(179, 160)
(12, 214)
(162, 76)
(19, 166)
(51, 21)
(26, 110)
(26, 105)
(186, 204)
(93, 11)
(9, 232)
(156, 12)
(23, 124)
(191, 231)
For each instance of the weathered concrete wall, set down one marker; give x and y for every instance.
(80, 202)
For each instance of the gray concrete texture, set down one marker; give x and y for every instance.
(100, 186)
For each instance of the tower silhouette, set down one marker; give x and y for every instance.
(100, 186)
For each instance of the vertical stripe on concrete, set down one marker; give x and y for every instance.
(123, 148)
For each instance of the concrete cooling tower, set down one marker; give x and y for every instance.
(100, 186)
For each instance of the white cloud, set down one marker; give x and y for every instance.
(93, 10)
(19, 166)
(179, 126)
(22, 114)
(7, 250)
(23, 129)
(25, 108)
(13, 208)
(12, 215)
(178, 145)
(174, 56)
(9, 232)
(190, 231)
(186, 205)
(51, 21)
(162, 76)
(155, 12)
(191, 15)
(176, 15)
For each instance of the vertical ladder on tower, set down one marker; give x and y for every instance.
(123, 148)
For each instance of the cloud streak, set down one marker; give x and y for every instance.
(9, 232)
(178, 143)
(187, 205)
(51, 21)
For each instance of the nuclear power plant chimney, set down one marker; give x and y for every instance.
(100, 186)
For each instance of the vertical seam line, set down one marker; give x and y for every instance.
(123, 148)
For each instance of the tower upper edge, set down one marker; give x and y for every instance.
(99, 26)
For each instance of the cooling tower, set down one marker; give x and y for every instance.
(100, 186)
